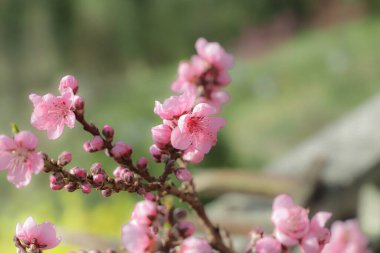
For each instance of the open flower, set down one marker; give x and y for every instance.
(347, 237)
(291, 221)
(197, 129)
(19, 158)
(138, 238)
(52, 113)
(318, 235)
(41, 236)
(175, 106)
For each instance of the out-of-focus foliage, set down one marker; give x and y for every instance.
(125, 54)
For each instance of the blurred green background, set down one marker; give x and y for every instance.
(299, 65)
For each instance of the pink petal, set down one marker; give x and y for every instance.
(204, 109)
(35, 162)
(319, 219)
(55, 132)
(36, 99)
(7, 143)
(48, 235)
(5, 158)
(203, 143)
(193, 155)
(283, 201)
(19, 176)
(31, 229)
(182, 122)
(70, 120)
(284, 239)
(26, 139)
(200, 46)
(180, 140)
(310, 245)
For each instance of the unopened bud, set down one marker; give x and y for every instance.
(86, 187)
(71, 186)
(161, 135)
(156, 153)
(119, 172)
(79, 105)
(68, 82)
(149, 196)
(186, 228)
(78, 172)
(183, 174)
(96, 168)
(121, 149)
(142, 162)
(128, 176)
(106, 193)
(108, 132)
(98, 179)
(64, 158)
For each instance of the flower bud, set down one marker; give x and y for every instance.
(87, 147)
(64, 158)
(79, 105)
(68, 82)
(56, 181)
(71, 186)
(128, 176)
(108, 132)
(183, 175)
(97, 143)
(194, 244)
(119, 172)
(96, 168)
(161, 135)
(106, 193)
(149, 196)
(156, 153)
(185, 228)
(142, 163)
(86, 188)
(78, 172)
(98, 179)
(121, 149)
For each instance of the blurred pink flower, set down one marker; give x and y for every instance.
(197, 129)
(43, 236)
(138, 238)
(214, 54)
(52, 113)
(318, 235)
(291, 221)
(195, 245)
(347, 237)
(268, 245)
(18, 156)
(145, 212)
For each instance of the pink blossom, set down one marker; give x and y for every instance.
(318, 235)
(197, 129)
(195, 245)
(138, 238)
(64, 158)
(268, 245)
(175, 106)
(145, 212)
(183, 174)
(52, 113)
(18, 156)
(161, 135)
(121, 149)
(291, 221)
(347, 237)
(213, 53)
(68, 82)
(43, 236)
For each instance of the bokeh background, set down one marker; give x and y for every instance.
(300, 65)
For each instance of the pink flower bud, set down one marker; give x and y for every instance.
(71, 186)
(195, 245)
(183, 175)
(64, 158)
(68, 82)
(149, 196)
(108, 132)
(145, 212)
(79, 105)
(97, 143)
(119, 172)
(156, 153)
(121, 149)
(161, 135)
(86, 188)
(98, 179)
(128, 176)
(96, 168)
(78, 172)
(142, 163)
(106, 193)
(186, 228)
(87, 147)
(56, 183)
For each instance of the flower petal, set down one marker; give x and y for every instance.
(180, 140)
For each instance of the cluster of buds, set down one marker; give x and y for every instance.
(188, 127)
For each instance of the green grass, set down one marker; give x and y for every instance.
(277, 101)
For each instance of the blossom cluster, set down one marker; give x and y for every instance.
(189, 127)
(294, 228)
